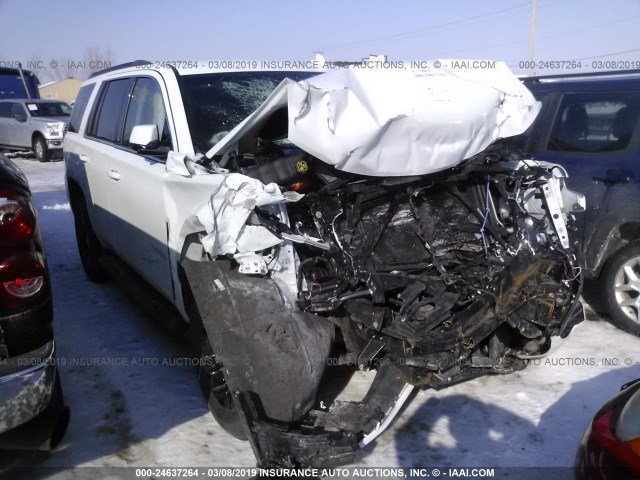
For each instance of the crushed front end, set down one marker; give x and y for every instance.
(301, 269)
(430, 280)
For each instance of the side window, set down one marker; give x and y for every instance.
(5, 110)
(18, 109)
(595, 122)
(109, 117)
(147, 108)
(82, 99)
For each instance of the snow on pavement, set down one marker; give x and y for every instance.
(137, 413)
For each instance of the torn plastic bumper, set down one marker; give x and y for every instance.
(266, 350)
(332, 438)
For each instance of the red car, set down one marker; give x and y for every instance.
(33, 415)
(611, 447)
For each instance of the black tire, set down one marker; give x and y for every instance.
(89, 246)
(620, 282)
(215, 391)
(40, 148)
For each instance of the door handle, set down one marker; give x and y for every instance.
(115, 174)
(84, 158)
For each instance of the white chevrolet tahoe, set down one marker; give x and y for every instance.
(308, 224)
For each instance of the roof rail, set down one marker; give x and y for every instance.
(581, 76)
(135, 63)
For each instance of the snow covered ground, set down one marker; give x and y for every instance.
(141, 409)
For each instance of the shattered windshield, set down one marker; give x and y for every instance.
(217, 102)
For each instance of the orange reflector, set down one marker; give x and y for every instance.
(297, 186)
(635, 445)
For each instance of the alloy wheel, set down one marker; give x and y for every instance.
(627, 288)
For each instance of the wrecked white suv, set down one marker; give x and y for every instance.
(308, 224)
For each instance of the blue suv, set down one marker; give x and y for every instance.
(589, 124)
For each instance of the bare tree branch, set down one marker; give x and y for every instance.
(95, 58)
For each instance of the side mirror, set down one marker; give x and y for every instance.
(20, 117)
(144, 137)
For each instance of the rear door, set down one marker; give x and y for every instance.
(93, 152)
(136, 184)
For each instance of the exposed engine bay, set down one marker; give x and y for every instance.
(299, 269)
(434, 264)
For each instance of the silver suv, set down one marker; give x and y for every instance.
(33, 124)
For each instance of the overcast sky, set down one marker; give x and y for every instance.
(279, 30)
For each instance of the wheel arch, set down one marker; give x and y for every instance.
(36, 134)
(74, 193)
(604, 245)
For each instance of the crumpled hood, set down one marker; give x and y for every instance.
(395, 122)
